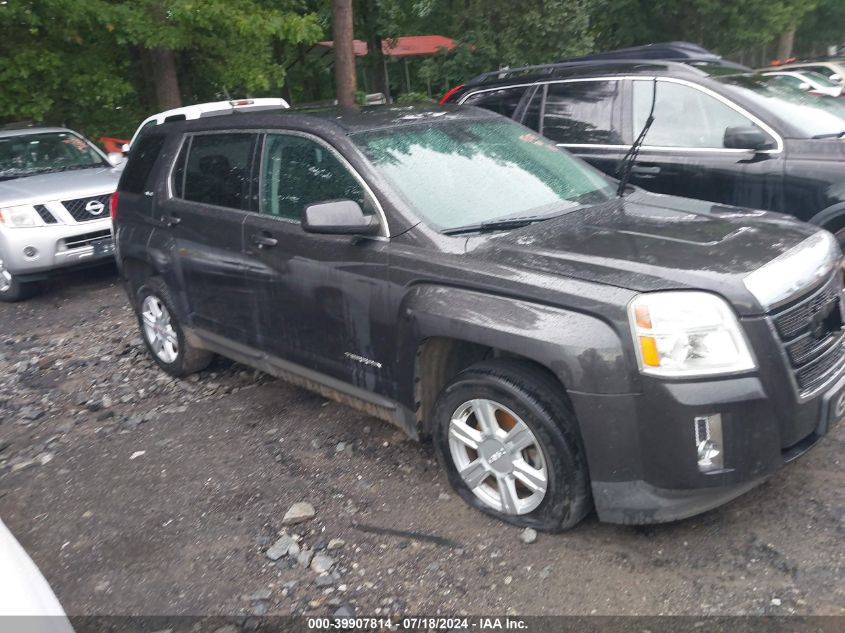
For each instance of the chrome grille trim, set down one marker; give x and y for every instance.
(812, 360)
(76, 208)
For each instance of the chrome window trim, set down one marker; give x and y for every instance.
(186, 138)
(659, 148)
(508, 87)
(262, 134)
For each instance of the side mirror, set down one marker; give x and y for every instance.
(747, 137)
(836, 77)
(116, 158)
(124, 148)
(338, 217)
(804, 86)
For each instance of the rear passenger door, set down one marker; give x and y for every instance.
(211, 190)
(582, 116)
(320, 300)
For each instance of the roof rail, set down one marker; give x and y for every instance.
(540, 70)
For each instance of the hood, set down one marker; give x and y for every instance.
(60, 185)
(648, 242)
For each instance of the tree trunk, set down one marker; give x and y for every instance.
(344, 53)
(376, 64)
(166, 78)
(785, 44)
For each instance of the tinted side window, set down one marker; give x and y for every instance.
(504, 101)
(582, 112)
(683, 116)
(534, 110)
(824, 70)
(217, 170)
(297, 171)
(142, 158)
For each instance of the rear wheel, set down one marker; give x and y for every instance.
(163, 334)
(12, 289)
(511, 447)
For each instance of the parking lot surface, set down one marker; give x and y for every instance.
(139, 494)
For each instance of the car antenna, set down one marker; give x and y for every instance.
(631, 155)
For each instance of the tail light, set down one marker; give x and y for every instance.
(445, 97)
(113, 205)
(241, 102)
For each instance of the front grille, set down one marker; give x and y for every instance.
(79, 241)
(810, 330)
(48, 217)
(91, 208)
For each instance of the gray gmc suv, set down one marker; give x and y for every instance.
(54, 192)
(565, 344)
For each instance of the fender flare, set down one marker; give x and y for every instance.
(584, 352)
(156, 262)
(826, 217)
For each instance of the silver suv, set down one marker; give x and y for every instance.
(54, 205)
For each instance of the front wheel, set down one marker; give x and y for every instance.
(12, 289)
(163, 334)
(511, 447)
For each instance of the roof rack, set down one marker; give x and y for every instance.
(617, 65)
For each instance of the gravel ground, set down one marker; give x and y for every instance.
(139, 494)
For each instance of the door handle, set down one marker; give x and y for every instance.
(171, 220)
(263, 241)
(645, 170)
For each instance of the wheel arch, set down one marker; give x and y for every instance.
(445, 330)
(832, 218)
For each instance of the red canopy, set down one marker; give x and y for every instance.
(408, 46)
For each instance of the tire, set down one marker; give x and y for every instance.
(518, 396)
(12, 290)
(163, 334)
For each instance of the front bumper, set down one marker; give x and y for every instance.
(641, 448)
(56, 246)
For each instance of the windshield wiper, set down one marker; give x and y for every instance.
(630, 157)
(495, 225)
(831, 135)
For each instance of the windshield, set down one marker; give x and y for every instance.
(811, 115)
(820, 79)
(38, 153)
(462, 173)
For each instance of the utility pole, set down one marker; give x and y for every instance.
(344, 53)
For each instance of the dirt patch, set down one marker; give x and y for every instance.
(139, 494)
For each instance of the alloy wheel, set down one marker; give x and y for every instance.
(158, 329)
(498, 456)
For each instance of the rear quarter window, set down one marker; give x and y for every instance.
(504, 101)
(142, 158)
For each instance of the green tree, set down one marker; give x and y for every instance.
(720, 25)
(102, 65)
(823, 27)
(59, 64)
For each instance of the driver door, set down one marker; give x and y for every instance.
(320, 299)
(683, 153)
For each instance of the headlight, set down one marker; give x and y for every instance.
(21, 216)
(687, 333)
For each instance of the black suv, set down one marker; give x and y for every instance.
(740, 139)
(453, 272)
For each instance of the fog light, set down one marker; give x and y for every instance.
(708, 442)
(30, 251)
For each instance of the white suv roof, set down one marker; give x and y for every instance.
(212, 108)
